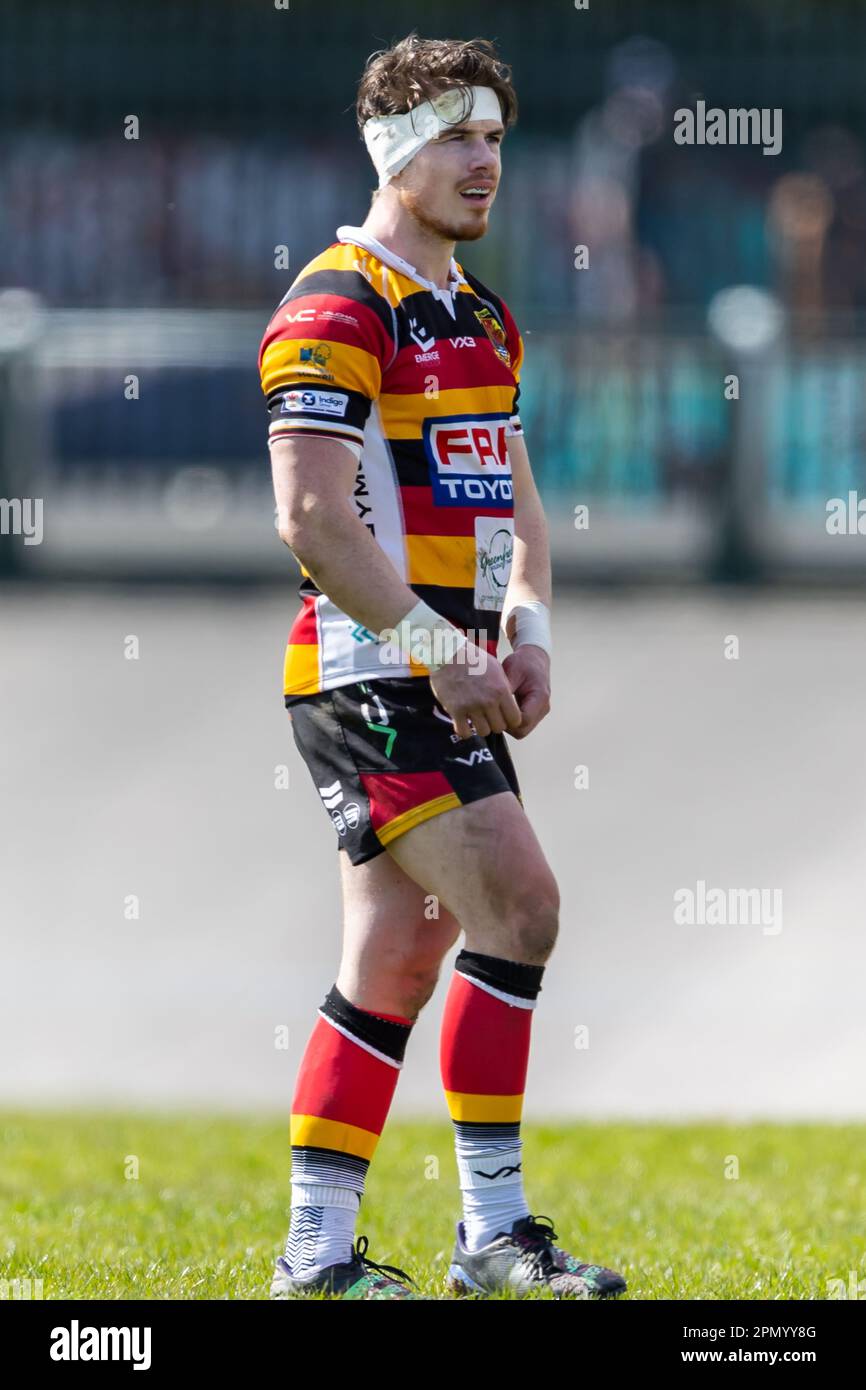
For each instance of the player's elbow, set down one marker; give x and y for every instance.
(304, 524)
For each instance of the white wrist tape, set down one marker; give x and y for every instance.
(531, 625)
(393, 140)
(429, 638)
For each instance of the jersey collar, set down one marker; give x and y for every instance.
(358, 237)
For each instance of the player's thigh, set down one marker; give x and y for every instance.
(394, 937)
(484, 863)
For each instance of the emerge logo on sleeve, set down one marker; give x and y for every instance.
(468, 458)
(325, 402)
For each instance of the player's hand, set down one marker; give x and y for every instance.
(477, 695)
(528, 672)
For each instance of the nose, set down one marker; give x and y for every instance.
(482, 155)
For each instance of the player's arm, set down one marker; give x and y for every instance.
(313, 483)
(528, 667)
(530, 568)
(530, 578)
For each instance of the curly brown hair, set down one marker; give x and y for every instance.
(415, 70)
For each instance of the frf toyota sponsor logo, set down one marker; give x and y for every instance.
(469, 463)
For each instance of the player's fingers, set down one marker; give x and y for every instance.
(480, 721)
(534, 707)
(510, 711)
(462, 725)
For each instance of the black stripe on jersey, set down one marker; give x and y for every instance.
(410, 463)
(348, 284)
(485, 295)
(458, 607)
(431, 315)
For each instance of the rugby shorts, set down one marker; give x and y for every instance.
(384, 757)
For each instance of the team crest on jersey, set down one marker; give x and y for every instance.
(495, 332)
(468, 460)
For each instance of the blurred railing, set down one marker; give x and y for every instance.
(143, 434)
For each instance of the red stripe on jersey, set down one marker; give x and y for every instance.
(304, 630)
(491, 643)
(314, 316)
(458, 369)
(424, 517)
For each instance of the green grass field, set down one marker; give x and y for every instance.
(208, 1210)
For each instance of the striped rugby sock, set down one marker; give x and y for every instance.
(343, 1092)
(484, 1057)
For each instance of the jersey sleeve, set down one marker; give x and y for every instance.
(515, 351)
(321, 362)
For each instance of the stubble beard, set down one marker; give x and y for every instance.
(449, 231)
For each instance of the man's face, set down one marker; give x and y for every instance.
(449, 186)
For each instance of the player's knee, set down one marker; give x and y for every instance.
(417, 988)
(411, 976)
(536, 920)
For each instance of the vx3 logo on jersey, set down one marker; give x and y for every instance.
(462, 342)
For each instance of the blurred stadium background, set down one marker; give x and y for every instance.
(154, 258)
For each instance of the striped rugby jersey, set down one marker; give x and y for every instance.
(421, 384)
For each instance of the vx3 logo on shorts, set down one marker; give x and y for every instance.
(478, 755)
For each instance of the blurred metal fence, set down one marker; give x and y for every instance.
(143, 434)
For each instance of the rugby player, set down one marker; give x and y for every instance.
(404, 490)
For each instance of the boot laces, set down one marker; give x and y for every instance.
(360, 1252)
(539, 1241)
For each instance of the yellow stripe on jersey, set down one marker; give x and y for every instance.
(300, 361)
(403, 416)
(301, 668)
(446, 560)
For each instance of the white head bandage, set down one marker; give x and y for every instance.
(393, 140)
